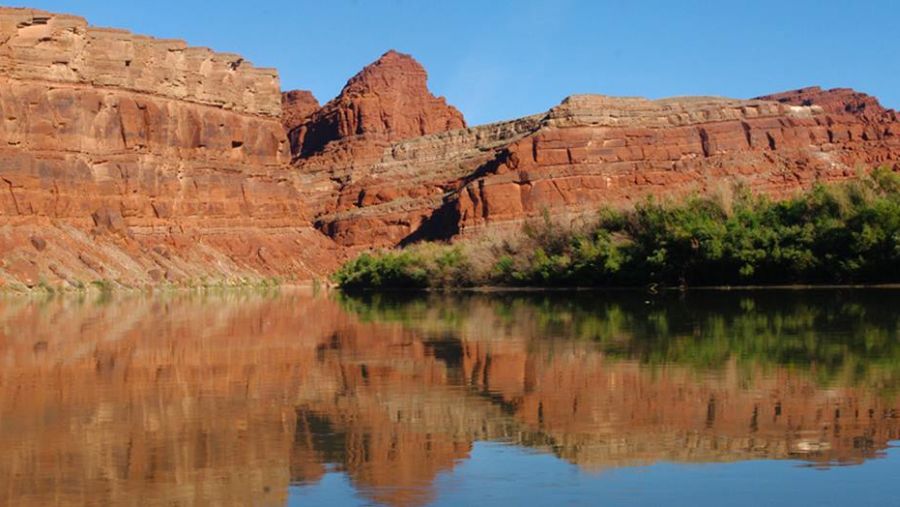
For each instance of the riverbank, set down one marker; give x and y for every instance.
(839, 234)
(109, 286)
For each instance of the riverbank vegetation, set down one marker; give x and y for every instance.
(840, 233)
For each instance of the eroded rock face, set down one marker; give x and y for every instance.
(344, 142)
(131, 156)
(837, 101)
(59, 48)
(593, 151)
(296, 108)
(388, 100)
(147, 161)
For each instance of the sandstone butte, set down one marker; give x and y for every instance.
(143, 161)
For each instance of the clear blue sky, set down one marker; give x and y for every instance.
(499, 59)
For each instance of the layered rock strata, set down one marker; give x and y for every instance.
(388, 101)
(837, 101)
(142, 161)
(593, 151)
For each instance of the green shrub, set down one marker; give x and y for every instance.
(388, 269)
(840, 233)
(419, 266)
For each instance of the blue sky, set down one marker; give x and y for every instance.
(500, 59)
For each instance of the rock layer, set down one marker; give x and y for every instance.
(142, 161)
(837, 101)
(593, 151)
(296, 108)
(387, 101)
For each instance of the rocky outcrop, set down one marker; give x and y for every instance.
(384, 108)
(837, 101)
(296, 108)
(142, 161)
(63, 49)
(387, 101)
(403, 196)
(593, 151)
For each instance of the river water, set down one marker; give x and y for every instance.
(559, 398)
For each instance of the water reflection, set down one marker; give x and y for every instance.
(228, 399)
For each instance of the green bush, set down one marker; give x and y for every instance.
(841, 233)
(420, 266)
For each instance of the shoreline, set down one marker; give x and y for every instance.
(653, 290)
(159, 289)
(487, 289)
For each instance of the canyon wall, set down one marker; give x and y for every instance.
(137, 160)
(141, 161)
(593, 151)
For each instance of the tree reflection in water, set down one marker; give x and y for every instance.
(226, 399)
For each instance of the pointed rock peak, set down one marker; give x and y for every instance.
(296, 107)
(388, 100)
(394, 55)
(299, 96)
(397, 60)
(391, 69)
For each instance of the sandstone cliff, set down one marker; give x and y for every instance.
(387, 101)
(837, 101)
(296, 108)
(139, 160)
(146, 161)
(593, 151)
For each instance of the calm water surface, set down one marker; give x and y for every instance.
(291, 398)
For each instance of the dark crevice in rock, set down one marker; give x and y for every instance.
(442, 225)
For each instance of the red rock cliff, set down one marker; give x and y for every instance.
(594, 150)
(140, 160)
(145, 161)
(388, 101)
(296, 108)
(837, 101)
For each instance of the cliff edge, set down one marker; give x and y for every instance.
(142, 161)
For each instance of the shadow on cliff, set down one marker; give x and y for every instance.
(442, 225)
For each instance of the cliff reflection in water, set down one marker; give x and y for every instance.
(228, 399)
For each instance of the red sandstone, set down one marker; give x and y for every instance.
(387, 101)
(296, 108)
(146, 161)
